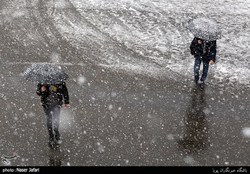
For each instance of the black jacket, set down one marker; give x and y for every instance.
(54, 94)
(206, 50)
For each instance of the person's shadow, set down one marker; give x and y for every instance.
(55, 157)
(195, 138)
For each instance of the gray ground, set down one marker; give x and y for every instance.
(115, 118)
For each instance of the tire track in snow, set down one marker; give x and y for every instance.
(117, 46)
(56, 42)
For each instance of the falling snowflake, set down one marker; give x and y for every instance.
(81, 80)
(246, 132)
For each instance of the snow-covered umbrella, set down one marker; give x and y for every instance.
(45, 73)
(205, 28)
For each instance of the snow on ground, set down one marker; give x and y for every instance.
(147, 37)
(156, 30)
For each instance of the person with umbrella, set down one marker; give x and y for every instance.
(54, 93)
(52, 98)
(204, 46)
(204, 52)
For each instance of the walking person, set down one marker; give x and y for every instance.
(53, 96)
(204, 52)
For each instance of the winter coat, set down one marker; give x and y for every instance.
(206, 50)
(54, 94)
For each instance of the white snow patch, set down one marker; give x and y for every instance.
(207, 111)
(100, 148)
(6, 162)
(246, 132)
(170, 137)
(32, 114)
(81, 80)
(55, 58)
(190, 160)
(110, 107)
(161, 29)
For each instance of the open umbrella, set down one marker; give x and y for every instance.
(45, 73)
(206, 29)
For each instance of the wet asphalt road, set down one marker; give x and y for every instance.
(115, 118)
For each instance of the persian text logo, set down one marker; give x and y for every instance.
(6, 160)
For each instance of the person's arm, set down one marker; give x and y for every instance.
(192, 46)
(65, 94)
(41, 89)
(212, 52)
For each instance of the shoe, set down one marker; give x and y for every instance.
(201, 82)
(51, 145)
(58, 142)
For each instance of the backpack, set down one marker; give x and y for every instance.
(53, 98)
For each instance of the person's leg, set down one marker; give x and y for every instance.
(197, 64)
(48, 113)
(205, 70)
(56, 121)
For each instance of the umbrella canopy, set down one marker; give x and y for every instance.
(206, 29)
(45, 73)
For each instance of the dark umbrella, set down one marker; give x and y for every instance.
(206, 29)
(45, 73)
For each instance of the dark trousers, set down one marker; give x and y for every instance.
(197, 64)
(53, 120)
